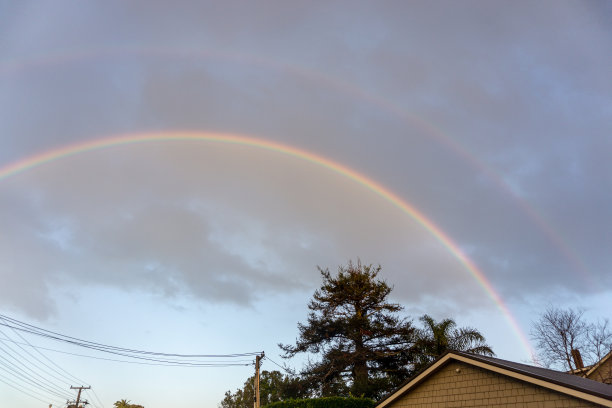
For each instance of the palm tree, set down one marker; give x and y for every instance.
(122, 404)
(438, 337)
(126, 404)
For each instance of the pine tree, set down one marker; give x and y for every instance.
(364, 344)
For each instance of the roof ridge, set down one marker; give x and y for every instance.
(556, 377)
(559, 381)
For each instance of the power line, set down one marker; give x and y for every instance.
(17, 376)
(66, 379)
(23, 359)
(19, 388)
(46, 386)
(28, 328)
(95, 395)
(28, 378)
(189, 363)
(213, 363)
(154, 357)
(68, 375)
(81, 388)
(283, 368)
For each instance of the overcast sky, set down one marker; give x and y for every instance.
(492, 119)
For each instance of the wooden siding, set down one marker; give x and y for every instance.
(603, 373)
(476, 387)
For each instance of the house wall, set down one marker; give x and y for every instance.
(603, 373)
(476, 387)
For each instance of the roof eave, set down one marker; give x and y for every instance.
(605, 400)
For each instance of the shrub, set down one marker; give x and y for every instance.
(326, 402)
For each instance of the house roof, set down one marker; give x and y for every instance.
(598, 364)
(569, 384)
(579, 371)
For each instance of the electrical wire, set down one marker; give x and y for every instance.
(210, 363)
(34, 378)
(23, 360)
(50, 390)
(68, 377)
(20, 376)
(142, 357)
(125, 352)
(96, 395)
(283, 368)
(7, 381)
(85, 343)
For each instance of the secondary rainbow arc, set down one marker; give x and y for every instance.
(370, 184)
(336, 83)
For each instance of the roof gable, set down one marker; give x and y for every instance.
(568, 384)
(599, 364)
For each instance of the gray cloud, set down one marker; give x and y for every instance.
(390, 91)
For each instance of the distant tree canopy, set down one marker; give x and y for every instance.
(273, 387)
(325, 402)
(126, 404)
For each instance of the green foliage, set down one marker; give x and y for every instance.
(325, 402)
(126, 404)
(273, 387)
(365, 347)
(436, 338)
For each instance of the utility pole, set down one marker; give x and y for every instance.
(257, 362)
(81, 388)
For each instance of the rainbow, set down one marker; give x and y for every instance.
(16, 66)
(375, 187)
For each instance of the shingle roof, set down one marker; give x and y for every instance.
(598, 364)
(568, 381)
(556, 377)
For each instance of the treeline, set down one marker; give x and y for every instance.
(325, 402)
(365, 348)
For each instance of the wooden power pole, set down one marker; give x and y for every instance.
(81, 388)
(257, 362)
